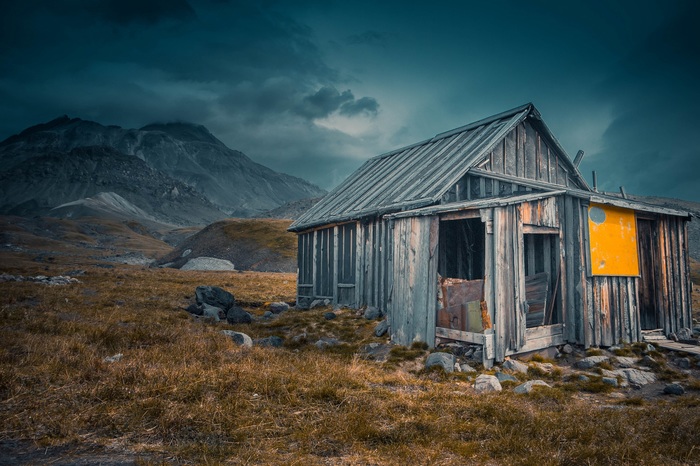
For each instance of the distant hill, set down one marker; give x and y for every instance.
(185, 152)
(292, 210)
(262, 245)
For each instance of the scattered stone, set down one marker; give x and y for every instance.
(466, 368)
(614, 348)
(590, 361)
(683, 363)
(503, 377)
(300, 339)
(319, 303)
(186, 253)
(376, 351)
(381, 328)
(684, 334)
(672, 336)
(372, 313)
(610, 381)
(278, 307)
(477, 355)
(76, 273)
(195, 309)
(625, 362)
(567, 349)
(487, 383)
(58, 280)
(529, 386)
(237, 315)
(583, 378)
(445, 360)
(272, 342)
(324, 343)
(213, 312)
(674, 389)
(636, 377)
(514, 366)
(649, 348)
(214, 296)
(239, 338)
(330, 315)
(546, 367)
(116, 358)
(268, 315)
(208, 263)
(648, 361)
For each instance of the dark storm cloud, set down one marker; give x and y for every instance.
(329, 100)
(364, 105)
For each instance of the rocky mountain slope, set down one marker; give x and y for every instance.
(42, 181)
(186, 152)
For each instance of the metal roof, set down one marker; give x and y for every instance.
(418, 175)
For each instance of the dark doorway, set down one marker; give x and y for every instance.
(462, 249)
(646, 234)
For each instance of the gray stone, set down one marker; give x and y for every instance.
(685, 334)
(239, 338)
(590, 361)
(683, 363)
(583, 378)
(319, 303)
(300, 339)
(514, 366)
(330, 315)
(214, 296)
(273, 342)
(381, 328)
(487, 383)
(674, 389)
(477, 355)
(610, 381)
(208, 263)
(503, 377)
(372, 313)
(445, 360)
(696, 330)
(636, 377)
(625, 362)
(116, 358)
(649, 361)
(237, 315)
(567, 349)
(324, 343)
(466, 368)
(529, 386)
(268, 315)
(546, 367)
(195, 309)
(278, 307)
(649, 348)
(186, 253)
(213, 312)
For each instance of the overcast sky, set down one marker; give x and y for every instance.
(314, 88)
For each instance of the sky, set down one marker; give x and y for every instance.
(314, 88)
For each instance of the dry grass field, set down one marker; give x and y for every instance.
(184, 393)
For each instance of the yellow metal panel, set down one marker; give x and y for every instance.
(613, 237)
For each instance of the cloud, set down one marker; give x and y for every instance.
(364, 105)
(323, 102)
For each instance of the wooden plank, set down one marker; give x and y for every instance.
(460, 215)
(539, 343)
(335, 265)
(530, 151)
(510, 153)
(460, 335)
(431, 279)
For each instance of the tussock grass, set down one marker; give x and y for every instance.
(268, 233)
(185, 392)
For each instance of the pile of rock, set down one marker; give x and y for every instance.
(57, 280)
(218, 304)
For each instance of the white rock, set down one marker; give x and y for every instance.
(208, 263)
(487, 383)
(530, 385)
(515, 366)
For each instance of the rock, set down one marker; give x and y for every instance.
(684, 334)
(214, 296)
(213, 312)
(116, 358)
(381, 328)
(186, 253)
(635, 377)
(272, 342)
(237, 315)
(268, 315)
(195, 309)
(330, 315)
(649, 361)
(583, 378)
(683, 363)
(625, 362)
(610, 381)
(372, 313)
(319, 303)
(529, 386)
(208, 263)
(590, 361)
(567, 349)
(487, 383)
(514, 366)
(674, 389)
(466, 368)
(649, 348)
(239, 338)
(278, 307)
(376, 351)
(324, 343)
(478, 355)
(673, 336)
(445, 360)
(503, 377)
(546, 367)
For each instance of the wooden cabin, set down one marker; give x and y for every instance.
(488, 234)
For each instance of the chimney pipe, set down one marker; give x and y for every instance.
(595, 181)
(578, 158)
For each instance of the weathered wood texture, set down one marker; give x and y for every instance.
(413, 304)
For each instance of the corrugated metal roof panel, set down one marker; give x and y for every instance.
(416, 175)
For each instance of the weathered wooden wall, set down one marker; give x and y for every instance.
(413, 304)
(374, 270)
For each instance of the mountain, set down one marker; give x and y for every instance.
(40, 182)
(186, 152)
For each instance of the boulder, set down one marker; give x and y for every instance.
(268, 315)
(330, 315)
(319, 303)
(213, 312)
(529, 386)
(684, 334)
(590, 361)
(545, 367)
(324, 343)
(503, 377)
(610, 381)
(237, 315)
(674, 389)
(567, 349)
(683, 363)
(445, 360)
(514, 366)
(272, 342)
(381, 328)
(195, 309)
(239, 338)
(278, 307)
(372, 313)
(487, 383)
(636, 377)
(208, 263)
(625, 362)
(214, 296)
(466, 368)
